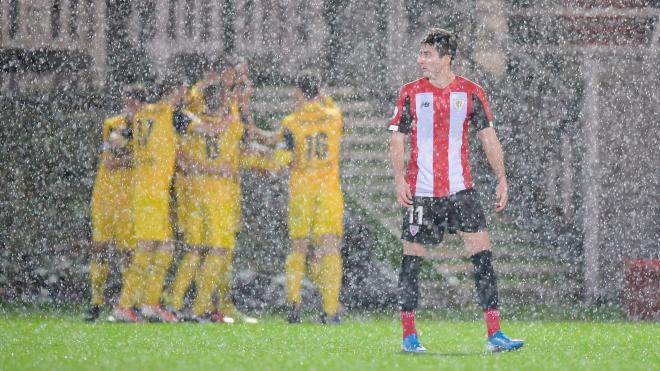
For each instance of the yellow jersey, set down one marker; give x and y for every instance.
(221, 149)
(154, 142)
(195, 105)
(115, 143)
(329, 102)
(313, 135)
(110, 206)
(195, 98)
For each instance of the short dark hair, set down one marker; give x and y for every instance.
(167, 84)
(136, 92)
(239, 59)
(212, 96)
(221, 64)
(309, 83)
(444, 41)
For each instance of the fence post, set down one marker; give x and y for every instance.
(591, 184)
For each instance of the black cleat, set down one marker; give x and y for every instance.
(93, 313)
(334, 320)
(293, 315)
(182, 315)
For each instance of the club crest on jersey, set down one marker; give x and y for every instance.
(413, 229)
(459, 103)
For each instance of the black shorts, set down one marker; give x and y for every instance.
(425, 221)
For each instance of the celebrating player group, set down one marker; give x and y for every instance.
(197, 139)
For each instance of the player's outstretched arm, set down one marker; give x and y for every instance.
(205, 127)
(397, 155)
(493, 149)
(261, 136)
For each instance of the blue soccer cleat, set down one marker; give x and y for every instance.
(411, 344)
(501, 343)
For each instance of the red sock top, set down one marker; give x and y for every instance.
(408, 322)
(492, 317)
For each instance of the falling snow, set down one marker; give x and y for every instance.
(573, 87)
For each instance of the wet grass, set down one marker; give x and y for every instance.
(60, 340)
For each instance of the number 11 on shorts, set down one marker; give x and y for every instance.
(419, 210)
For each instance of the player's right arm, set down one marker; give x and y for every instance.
(261, 136)
(205, 127)
(400, 126)
(397, 156)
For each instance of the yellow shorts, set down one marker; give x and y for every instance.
(315, 211)
(151, 210)
(111, 211)
(214, 214)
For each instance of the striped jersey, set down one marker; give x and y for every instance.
(438, 121)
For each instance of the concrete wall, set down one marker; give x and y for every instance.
(628, 166)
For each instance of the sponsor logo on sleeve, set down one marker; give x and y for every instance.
(396, 110)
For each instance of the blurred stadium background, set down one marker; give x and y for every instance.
(573, 85)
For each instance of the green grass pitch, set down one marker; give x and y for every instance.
(62, 341)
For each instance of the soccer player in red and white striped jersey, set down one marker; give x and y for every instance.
(435, 112)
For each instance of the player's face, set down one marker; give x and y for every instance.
(228, 77)
(131, 105)
(175, 96)
(298, 98)
(430, 60)
(242, 70)
(180, 94)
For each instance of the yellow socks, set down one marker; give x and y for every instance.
(156, 278)
(98, 274)
(295, 271)
(134, 278)
(314, 267)
(331, 275)
(184, 276)
(225, 301)
(214, 267)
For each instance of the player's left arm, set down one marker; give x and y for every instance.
(493, 150)
(255, 156)
(123, 161)
(482, 119)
